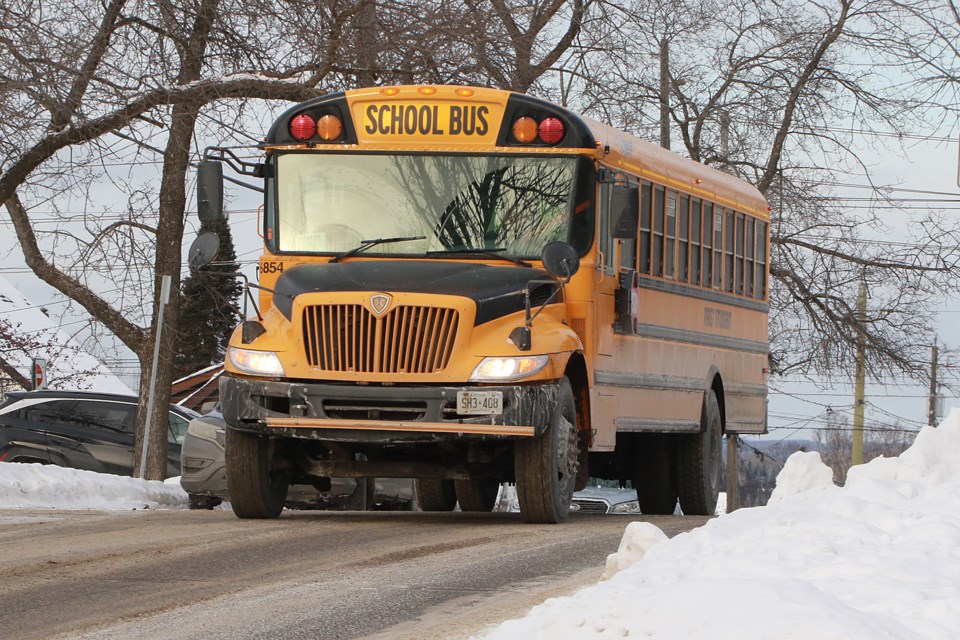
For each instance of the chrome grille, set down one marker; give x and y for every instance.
(591, 505)
(407, 339)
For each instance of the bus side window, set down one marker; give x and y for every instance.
(658, 231)
(646, 191)
(707, 245)
(718, 247)
(696, 221)
(729, 234)
(683, 235)
(761, 276)
(738, 278)
(670, 244)
(748, 268)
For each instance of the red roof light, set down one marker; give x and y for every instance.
(302, 127)
(552, 130)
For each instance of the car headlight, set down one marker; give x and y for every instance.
(203, 430)
(503, 369)
(626, 507)
(260, 363)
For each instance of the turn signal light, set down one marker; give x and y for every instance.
(525, 129)
(329, 127)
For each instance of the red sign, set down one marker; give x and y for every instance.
(39, 373)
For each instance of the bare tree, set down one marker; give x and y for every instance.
(835, 442)
(139, 84)
(126, 82)
(66, 366)
(517, 43)
(795, 97)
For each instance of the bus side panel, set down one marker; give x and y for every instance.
(654, 380)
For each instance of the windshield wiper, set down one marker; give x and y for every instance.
(492, 253)
(366, 244)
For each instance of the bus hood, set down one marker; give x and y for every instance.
(497, 290)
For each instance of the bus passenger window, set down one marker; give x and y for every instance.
(695, 223)
(761, 276)
(749, 264)
(645, 195)
(658, 232)
(683, 234)
(707, 244)
(729, 233)
(718, 247)
(670, 251)
(738, 261)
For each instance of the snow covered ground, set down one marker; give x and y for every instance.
(878, 558)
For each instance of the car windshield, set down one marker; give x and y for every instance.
(331, 203)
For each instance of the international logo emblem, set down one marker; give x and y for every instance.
(379, 304)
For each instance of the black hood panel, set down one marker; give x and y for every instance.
(497, 290)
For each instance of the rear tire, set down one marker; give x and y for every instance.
(653, 474)
(435, 494)
(546, 465)
(699, 467)
(477, 495)
(257, 486)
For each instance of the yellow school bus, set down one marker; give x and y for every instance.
(470, 287)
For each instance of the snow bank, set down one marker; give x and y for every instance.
(878, 558)
(48, 486)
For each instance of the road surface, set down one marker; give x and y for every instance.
(206, 574)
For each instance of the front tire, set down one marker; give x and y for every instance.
(546, 465)
(257, 485)
(699, 472)
(477, 495)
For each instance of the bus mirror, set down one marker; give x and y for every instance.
(560, 260)
(627, 202)
(210, 191)
(203, 250)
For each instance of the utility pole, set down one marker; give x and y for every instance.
(860, 375)
(665, 94)
(932, 406)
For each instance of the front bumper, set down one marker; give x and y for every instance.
(380, 413)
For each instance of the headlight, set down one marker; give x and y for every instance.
(202, 429)
(260, 363)
(626, 507)
(502, 369)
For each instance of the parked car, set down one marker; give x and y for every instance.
(81, 430)
(606, 500)
(204, 477)
(591, 499)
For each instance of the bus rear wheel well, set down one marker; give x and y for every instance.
(716, 385)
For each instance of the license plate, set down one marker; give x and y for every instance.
(484, 403)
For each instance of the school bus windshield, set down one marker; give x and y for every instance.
(330, 203)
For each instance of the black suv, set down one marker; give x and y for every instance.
(80, 429)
